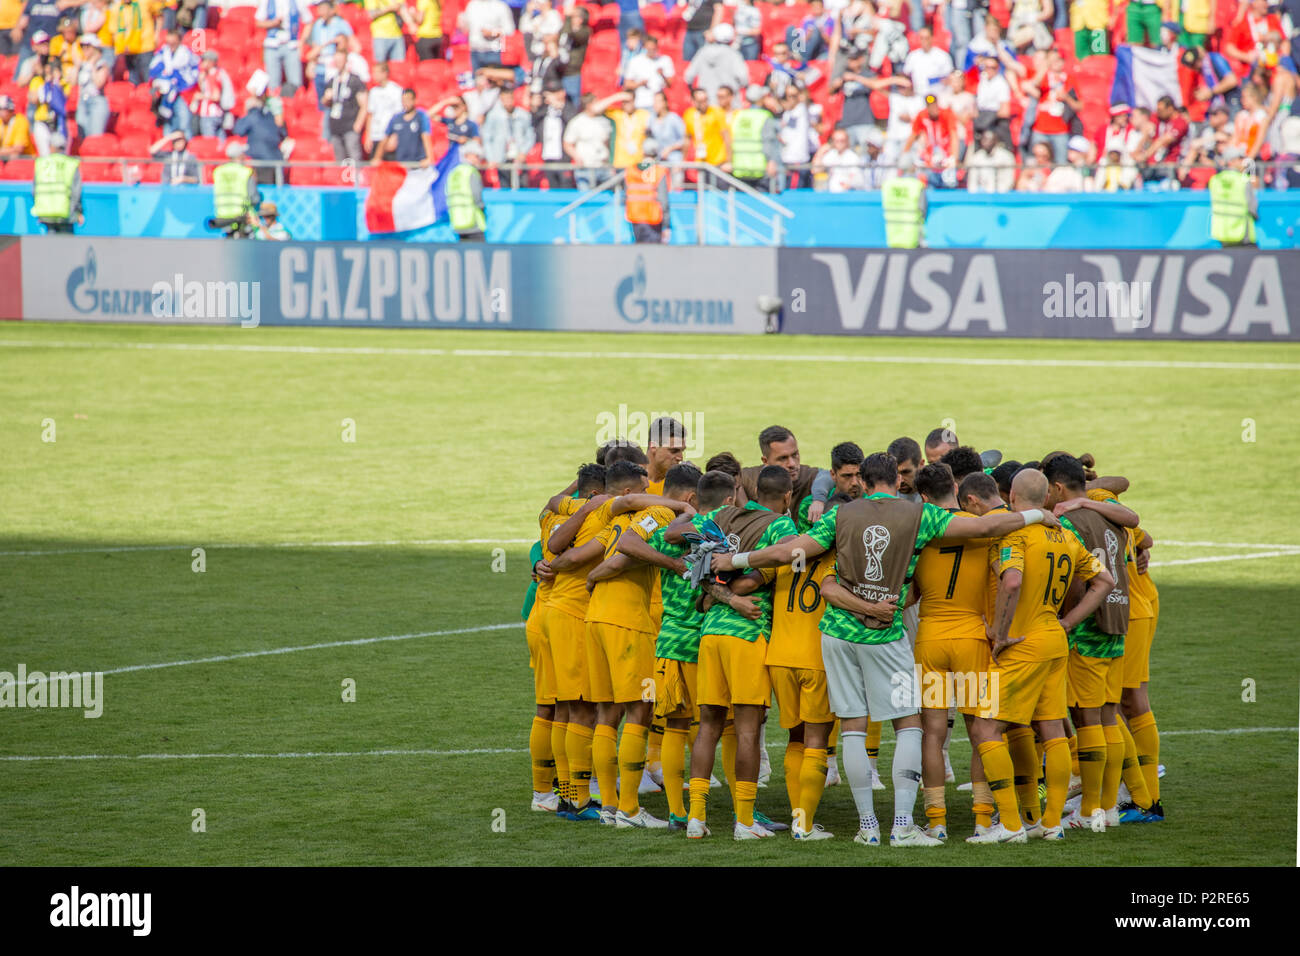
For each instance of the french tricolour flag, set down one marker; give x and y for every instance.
(403, 199)
(1142, 76)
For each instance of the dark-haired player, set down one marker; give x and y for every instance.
(907, 452)
(963, 460)
(876, 540)
(778, 446)
(665, 446)
(938, 443)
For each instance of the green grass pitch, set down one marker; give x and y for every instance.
(170, 439)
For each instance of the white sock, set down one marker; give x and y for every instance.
(907, 773)
(857, 771)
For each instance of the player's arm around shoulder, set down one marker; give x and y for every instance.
(636, 549)
(995, 524)
(837, 595)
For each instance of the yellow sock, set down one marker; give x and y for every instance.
(746, 794)
(982, 804)
(812, 782)
(578, 746)
(996, 757)
(1092, 766)
(1039, 749)
(1057, 774)
(936, 812)
(699, 797)
(1024, 755)
(655, 753)
(674, 764)
(1114, 766)
(729, 758)
(559, 732)
(1133, 776)
(1074, 754)
(539, 748)
(604, 762)
(793, 760)
(1147, 738)
(631, 763)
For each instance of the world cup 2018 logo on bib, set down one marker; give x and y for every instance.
(733, 542)
(1112, 553)
(875, 540)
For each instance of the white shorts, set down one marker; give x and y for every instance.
(875, 680)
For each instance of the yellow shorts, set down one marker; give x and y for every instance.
(565, 634)
(1137, 650)
(967, 661)
(1093, 681)
(1024, 691)
(620, 663)
(801, 696)
(732, 671)
(675, 689)
(539, 656)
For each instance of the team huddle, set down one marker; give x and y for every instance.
(905, 586)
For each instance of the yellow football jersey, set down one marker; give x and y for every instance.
(625, 600)
(548, 521)
(797, 606)
(1141, 589)
(953, 581)
(1048, 559)
(655, 487)
(569, 591)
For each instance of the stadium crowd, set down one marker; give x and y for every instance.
(987, 95)
(671, 606)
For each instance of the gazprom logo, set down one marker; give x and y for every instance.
(635, 305)
(86, 297)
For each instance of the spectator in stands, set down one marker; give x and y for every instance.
(281, 53)
(1114, 174)
(453, 113)
(629, 18)
(11, 11)
(547, 72)
(1248, 41)
(648, 73)
(385, 101)
(748, 21)
(95, 20)
(408, 136)
(1118, 135)
(928, 65)
(92, 77)
(587, 140)
(214, 98)
(489, 81)
(935, 128)
(841, 165)
(186, 14)
(810, 39)
(798, 137)
(629, 130)
(1164, 142)
(15, 132)
(573, 51)
(965, 21)
(487, 23)
(540, 19)
(857, 82)
(1090, 20)
(727, 103)
(992, 42)
(706, 127)
(174, 71)
(954, 96)
(990, 166)
(702, 17)
(266, 223)
(785, 70)
(756, 142)
(179, 166)
(630, 48)
(262, 125)
(993, 100)
(66, 47)
(132, 29)
(1076, 177)
(1052, 90)
(1251, 122)
(550, 122)
(39, 16)
(904, 107)
(1288, 175)
(47, 107)
(328, 31)
(347, 98)
(717, 64)
(1033, 177)
(667, 129)
(34, 65)
(1209, 81)
(1031, 25)
(426, 25)
(507, 129)
(386, 40)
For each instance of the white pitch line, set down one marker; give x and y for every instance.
(221, 658)
(663, 356)
(1225, 557)
(299, 755)
(1221, 544)
(251, 546)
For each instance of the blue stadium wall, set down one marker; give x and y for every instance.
(1142, 220)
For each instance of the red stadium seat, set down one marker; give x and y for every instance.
(402, 73)
(237, 21)
(207, 147)
(101, 172)
(105, 145)
(134, 145)
(20, 169)
(313, 150)
(136, 123)
(118, 93)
